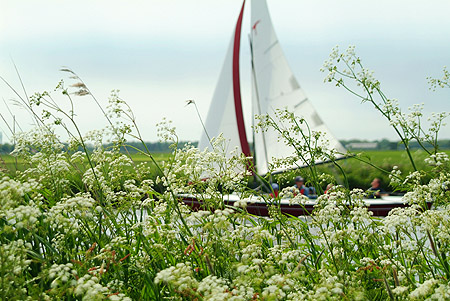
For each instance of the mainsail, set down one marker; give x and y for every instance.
(225, 113)
(274, 87)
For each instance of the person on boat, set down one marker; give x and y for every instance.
(375, 191)
(328, 188)
(299, 184)
(275, 190)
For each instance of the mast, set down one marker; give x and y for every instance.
(257, 107)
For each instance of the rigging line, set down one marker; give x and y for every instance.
(191, 101)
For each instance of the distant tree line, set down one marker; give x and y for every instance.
(6, 148)
(353, 144)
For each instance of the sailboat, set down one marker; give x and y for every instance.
(274, 87)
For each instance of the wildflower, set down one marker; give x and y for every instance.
(23, 216)
(89, 288)
(180, 277)
(62, 274)
(424, 289)
(214, 288)
(437, 159)
(400, 290)
(442, 292)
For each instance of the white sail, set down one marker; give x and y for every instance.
(275, 87)
(225, 113)
(221, 118)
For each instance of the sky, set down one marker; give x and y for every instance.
(161, 53)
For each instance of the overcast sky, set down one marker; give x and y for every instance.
(161, 53)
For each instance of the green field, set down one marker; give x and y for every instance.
(11, 164)
(359, 173)
(159, 157)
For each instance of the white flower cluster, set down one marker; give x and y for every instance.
(352, 70)
(277, 287)
(115, 285)
(166, 132)
(197, 216)
(220, 216)
(180, 277)
(361, 215)
(413, 178)
(437, 223)
(330, 287)
(89, 288)
(401, 218)
(23, 216)
(242, 203)
(436, 121)
(444, 82)
(330, 205)
(250, 252)
(248, 235)
(437, 159)
(14, 259)
(62, 274)
(65, 214)
(213, 288)
(12, 192)
(420, 195)
(116, 106)
(40, 138)
(395, 176)
(423, 289)
(442, 292)
(96, 137)
(329, 66)
(111, 174)
(357, 195)
(283, 255)
(49, 169)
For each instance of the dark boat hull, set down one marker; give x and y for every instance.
(379, 207)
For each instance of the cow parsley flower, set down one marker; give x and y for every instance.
(23, 216)
(424, 289)
(62, 274)
(214, 288)
(180, 277)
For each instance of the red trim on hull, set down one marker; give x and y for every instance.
(237, 87)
